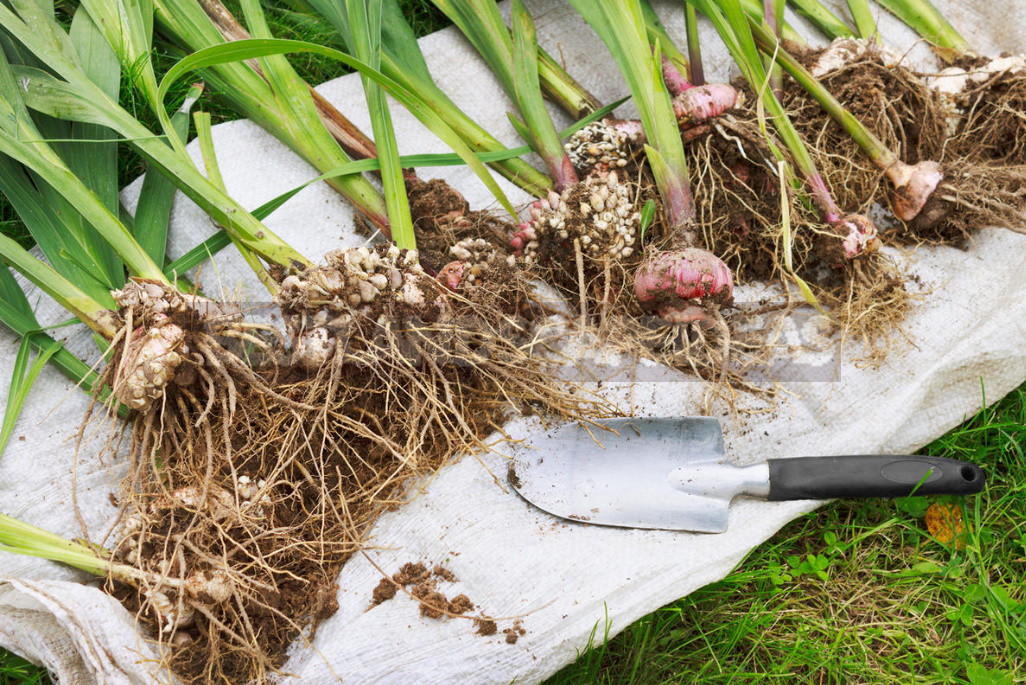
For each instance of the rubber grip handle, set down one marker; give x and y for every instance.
(871, 476)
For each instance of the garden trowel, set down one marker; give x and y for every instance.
(672, 473)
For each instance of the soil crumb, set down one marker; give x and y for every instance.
(433, 604)
(485, 626)
(385, 591)
(460, 604)
(422, 586)
(411, 574)
(513, 634)
(443, 573)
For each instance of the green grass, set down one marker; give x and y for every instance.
(853, 593)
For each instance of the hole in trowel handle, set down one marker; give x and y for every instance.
(968, 474)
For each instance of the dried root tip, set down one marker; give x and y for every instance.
(695, 105)
(476, 260)
(913, 187)
(844, 51)
(600, 147)
(600, 211)
(851, 237)
(684, 286)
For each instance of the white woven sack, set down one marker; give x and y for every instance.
(508, 557)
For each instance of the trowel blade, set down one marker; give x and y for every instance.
(619, 473)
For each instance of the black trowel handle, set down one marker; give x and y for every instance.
(871, 476)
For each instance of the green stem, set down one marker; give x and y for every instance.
(528, 96)
(863, 17)
(365, 20)
(516, 170)
(696, 73)
(822, 18)
(204, 137)
(773, 15)
(926, 20)
(90, 312)
(657, 35)
(242, 226)
(563, 89)
(753, 8)
(736, 28)
(280, 102)
(23, 538)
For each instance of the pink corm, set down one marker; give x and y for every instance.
(861, 235)
(699, 103)
(684, 286)
(691, 103)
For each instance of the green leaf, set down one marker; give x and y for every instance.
(647, 215)
(22, 379)
(67, 294)
(822, 18)
(21, 140)
(981, 675)
(620, 24)
(206, 143)
(17, 314)
(913, 506)
(365, 23)
(96, 161)
(127, 27)
(255, 47)
(403, 62)
(527, 95)
(214, 244)
(153, 212)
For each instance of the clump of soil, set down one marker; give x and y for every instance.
(422, 585)
(485, 627)
(460, 604)
(443, 573)
(442, 218)
(892, 101)
(514, 633)
(384, 591)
